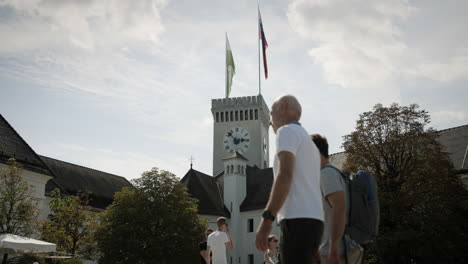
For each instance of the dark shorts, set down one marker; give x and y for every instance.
(300, 240)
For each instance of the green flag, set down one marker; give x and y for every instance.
(230, 67)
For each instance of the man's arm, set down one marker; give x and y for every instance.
(208, 255)
(229, 244)
(203, 254)
(338, 222)
(278, 195)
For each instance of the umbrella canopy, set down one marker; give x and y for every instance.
(17, 244)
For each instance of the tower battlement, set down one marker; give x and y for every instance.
(244, 101)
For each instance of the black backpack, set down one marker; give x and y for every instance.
(364, 210)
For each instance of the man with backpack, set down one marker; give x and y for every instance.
(336, 244)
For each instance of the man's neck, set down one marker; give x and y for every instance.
(324, 162)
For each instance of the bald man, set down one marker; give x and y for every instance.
(295, 198)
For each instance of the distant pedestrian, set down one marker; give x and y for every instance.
(218, 241)
(203, 247)
(295, 197)
(336, 208)
(271, 255)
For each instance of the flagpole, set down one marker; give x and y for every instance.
(258, 32)
(226, 69)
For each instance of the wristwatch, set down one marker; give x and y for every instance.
(268, 215)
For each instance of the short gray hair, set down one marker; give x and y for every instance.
(292, 105)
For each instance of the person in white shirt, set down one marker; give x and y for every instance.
(217, 243)
(295, 198)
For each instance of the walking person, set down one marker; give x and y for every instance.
(271, 255)
(203, 247)
(336, 208)
(217, 243)
(295, 199)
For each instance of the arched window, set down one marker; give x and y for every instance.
(217, 116)
(256, 114)
(227, 169)
(232, 168)
(238, 169)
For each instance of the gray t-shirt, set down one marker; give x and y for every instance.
(332, 181)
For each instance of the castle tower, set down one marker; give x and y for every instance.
(240, 125)
(235, 191)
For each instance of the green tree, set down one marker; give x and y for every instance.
(154, 222)
(424, 206)
(18, 206)
(71, 224)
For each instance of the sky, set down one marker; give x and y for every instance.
(123, 86)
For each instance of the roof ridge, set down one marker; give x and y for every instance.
(27, 145)
(451, 128)
(83, 167)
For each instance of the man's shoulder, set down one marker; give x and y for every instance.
(330, 169)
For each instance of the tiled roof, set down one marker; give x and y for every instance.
(259, 182)
(206, 189)
(455, 141)
(73, 179)
(13, 146)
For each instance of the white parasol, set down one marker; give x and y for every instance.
(11, 244)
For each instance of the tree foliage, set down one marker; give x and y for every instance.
(424, 206)
(71, 224)
(18, 206)
(154, 222)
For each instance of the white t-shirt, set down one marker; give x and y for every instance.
(216, 241)
(304, 198)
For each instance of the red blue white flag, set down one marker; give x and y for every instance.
(261, 35)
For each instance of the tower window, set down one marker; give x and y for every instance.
(246, 114)
(222, 117)
(231, 117)
(251, 259)
(227, 117)
(227, 169)
(238, 169)
(217, 116)
(232, 168)
(241, 115)
(237, 116)
(251, 115)
(256, 114)
(250, 225)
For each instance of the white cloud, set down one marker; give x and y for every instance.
(448, 117)
(371, 44)
(88, 25)
(356, 42)
(453, 69)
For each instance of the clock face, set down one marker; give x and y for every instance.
(236, 139)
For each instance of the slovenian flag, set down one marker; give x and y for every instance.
(261, 35)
